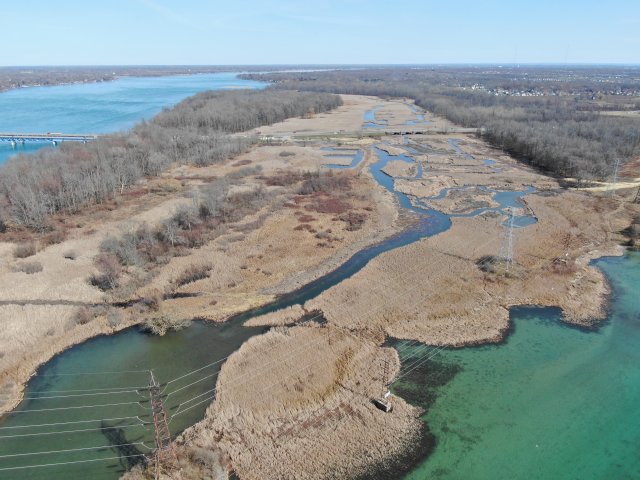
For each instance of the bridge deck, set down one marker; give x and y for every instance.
(43, 137)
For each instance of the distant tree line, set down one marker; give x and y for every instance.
(16, 77)
(197, 131)
(564, 135)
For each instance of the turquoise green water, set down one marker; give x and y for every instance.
(552, 402)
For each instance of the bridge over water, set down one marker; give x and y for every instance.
(15, 138)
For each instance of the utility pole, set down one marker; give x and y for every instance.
(164, 454)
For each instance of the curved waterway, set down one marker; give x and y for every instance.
(104, 107)
(68, 406)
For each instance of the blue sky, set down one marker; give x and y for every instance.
(86, 32)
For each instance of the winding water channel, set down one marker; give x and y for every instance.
(500, 411)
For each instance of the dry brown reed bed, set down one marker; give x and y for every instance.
(254, 258)
(433, 290)
(283, 413)
(285, 316)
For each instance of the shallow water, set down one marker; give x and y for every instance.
(130, 354)
(99, 107)
(551, 402)
(170, 356)
(356, 157)
(180, 352)
(370, 120)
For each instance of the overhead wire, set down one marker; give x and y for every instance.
(13, 427)
(70, 450)
(23, 467)
(73, 431)
(422, 357)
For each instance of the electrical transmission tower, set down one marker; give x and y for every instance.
(385, 375)
(614, 179)
(384, 402)
(506, 250)
(165, 456)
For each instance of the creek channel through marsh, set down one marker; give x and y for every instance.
(91, 396)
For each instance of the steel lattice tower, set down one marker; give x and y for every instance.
(164, 453)
(506, 251)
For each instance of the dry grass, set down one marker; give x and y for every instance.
(434, 291)
(285, 316)
(309, 417)
(25, 250)
(268, 257)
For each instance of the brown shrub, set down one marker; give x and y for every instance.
(304, 226)
(83, 316)
(283, 179)
(324, 182)
(563, 267)
(162, 324)
(55, 237)
(354, 220)
(109, 272)
(25, 250)
(240, 163)
(152, 301)
(196, 237)
(304, 218)
(114, 317)
(193, 273)
(329, 205)
(30, 267)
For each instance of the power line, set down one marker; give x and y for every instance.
(73, 431)
(90, 373)
(423, 359)
(115, 392)
(73, 450)
(235, 383)
(193, 406)
(77, 407)
(70, 423)
(70, 463)
(96, 389)
(196, 370)
(189, 401)
(204, 378)
(191, 384)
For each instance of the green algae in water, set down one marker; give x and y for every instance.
(552, 402)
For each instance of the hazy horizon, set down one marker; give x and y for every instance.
(328, 65)
(346, 32)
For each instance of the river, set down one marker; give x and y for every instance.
(103, 107)
(546, 392)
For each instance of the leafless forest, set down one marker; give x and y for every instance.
(565, 121)
(197, 131)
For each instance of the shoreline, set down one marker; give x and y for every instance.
(109, 74)
(393, 262)
(560, 322)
